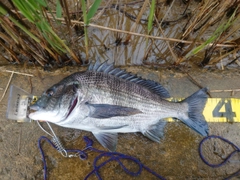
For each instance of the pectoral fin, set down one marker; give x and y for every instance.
(102, 111)
(107, 140)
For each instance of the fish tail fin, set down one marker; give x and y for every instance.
(195, 119)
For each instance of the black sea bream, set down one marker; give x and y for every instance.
(107, 101)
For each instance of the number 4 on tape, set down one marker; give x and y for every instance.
(222, 110)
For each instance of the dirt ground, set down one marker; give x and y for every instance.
(175, 158)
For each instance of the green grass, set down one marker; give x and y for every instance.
(86, 18)
(216, 34)
(33, 11)
(151, 16)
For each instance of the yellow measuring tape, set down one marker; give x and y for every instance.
(222, 110)
(219, 110)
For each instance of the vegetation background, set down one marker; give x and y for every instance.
(160, 33)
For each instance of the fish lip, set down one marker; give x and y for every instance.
(72, 106)
(34, 107)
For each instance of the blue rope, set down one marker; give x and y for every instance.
(113, 156)
(237, 150)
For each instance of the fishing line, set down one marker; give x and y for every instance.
(112, 156)
(57, 143)
(43, 129)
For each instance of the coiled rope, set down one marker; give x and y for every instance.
(116, 156)
(112, 156)
(225, 160)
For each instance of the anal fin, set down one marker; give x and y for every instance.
(156, 131)
(107, 140)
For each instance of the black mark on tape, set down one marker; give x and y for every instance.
(228, 114)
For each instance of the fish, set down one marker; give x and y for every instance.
(106, 100)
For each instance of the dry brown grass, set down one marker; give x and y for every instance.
(127, 21)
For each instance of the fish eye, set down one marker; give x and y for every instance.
(49, 92)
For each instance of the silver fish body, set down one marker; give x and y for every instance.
(107, 100)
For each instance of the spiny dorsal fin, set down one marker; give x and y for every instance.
(121, 73)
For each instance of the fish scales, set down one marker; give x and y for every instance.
(108, 89)
(120, 90)
(114, 84)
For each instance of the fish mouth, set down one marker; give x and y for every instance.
(72, 106)
(34, 107)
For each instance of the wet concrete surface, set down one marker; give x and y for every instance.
(175, 158)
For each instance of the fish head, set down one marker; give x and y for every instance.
(56, 103)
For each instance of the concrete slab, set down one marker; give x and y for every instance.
(175, 158)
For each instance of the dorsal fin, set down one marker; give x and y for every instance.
(121, 73)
